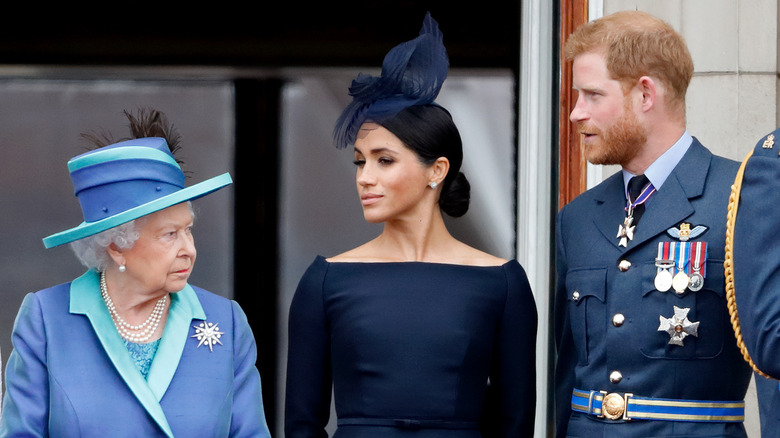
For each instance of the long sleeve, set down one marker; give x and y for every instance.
(513, 377)
(309, 378)
(248, 418)
(757, 259)
(26, 402)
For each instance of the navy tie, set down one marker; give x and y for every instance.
(635, 186)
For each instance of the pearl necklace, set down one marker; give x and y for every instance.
(147, 329)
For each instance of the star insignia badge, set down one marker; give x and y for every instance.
(685, 232)
(678, 326)
(207, 333)
(626, 231)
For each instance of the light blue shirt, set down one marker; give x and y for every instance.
(662, 167)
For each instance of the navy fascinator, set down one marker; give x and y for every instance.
(412, 74)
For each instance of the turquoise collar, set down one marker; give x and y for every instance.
(85, 299)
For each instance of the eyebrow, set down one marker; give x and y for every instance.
(173, 224)
(586, 87)
(377, 150)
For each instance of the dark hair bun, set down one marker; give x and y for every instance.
(454, 199)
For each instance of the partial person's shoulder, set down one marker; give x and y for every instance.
(467, 255)
(211, 301)
(56, 298)
(59, 291)
(718, 162)
(361, 254)
(215, 305)
(768, 145)
(485, 259)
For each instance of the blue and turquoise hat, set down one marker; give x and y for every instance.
(124, 181)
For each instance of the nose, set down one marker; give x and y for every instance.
(365, 176)
(188, 246)
(578, 113)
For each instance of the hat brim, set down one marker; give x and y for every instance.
(86, 229)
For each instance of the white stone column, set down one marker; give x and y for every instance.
(534, 167)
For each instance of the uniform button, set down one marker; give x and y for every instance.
(575, 295)
(615, 377)
(618, 319)
(623, 265)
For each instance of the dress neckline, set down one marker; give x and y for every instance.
(411, 262)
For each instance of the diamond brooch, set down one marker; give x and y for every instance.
(207, 333)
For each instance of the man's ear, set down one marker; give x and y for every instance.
(647, 86)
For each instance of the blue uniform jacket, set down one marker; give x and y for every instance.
(756, 263)
(592, 343)
(70, 375)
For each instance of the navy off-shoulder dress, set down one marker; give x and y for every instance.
(412, 349)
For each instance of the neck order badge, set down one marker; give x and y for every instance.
(639, 191)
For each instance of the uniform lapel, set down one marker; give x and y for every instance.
(610, 207)
(671, 204)
(667, 207)
(85, 299)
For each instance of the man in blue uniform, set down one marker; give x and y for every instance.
(752, 274)
(645, 346)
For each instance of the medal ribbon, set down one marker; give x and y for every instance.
(663, 254)
(698, 257)
(647, 191)
(682, 254)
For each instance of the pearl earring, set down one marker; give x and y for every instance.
(122, 268)
(433, 184)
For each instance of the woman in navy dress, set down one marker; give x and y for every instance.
(414, 332)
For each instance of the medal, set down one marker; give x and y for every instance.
(678, 326)
(663, 279)
(626, 230)
(663, 276)
(695, 282)
(680, 280)
(698, 260)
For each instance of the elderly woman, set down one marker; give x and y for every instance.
(130, 348)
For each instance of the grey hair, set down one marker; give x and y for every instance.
(92, 250)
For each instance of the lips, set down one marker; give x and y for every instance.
(587, 131)
(369, 198)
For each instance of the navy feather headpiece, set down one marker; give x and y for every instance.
(412, 74)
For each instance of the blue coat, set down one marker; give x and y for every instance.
(611, 323)
(756, 259)
(70, 375)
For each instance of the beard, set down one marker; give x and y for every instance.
(617, 144)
